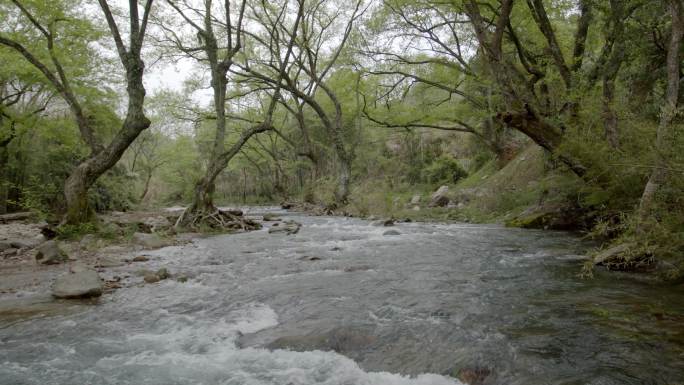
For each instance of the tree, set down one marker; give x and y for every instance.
(311, 67)
(665, 135)
(101, 157)
(219, 58)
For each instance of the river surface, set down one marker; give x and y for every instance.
(341, 303)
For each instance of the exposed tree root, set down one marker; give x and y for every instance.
(216, 219)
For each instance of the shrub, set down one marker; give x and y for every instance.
(445, 170)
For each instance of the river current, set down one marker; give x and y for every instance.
(341, 303)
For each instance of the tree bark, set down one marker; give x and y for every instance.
(665, 133)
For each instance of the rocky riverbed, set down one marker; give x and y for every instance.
(341, 301)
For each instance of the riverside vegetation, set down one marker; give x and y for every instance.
(557, 115)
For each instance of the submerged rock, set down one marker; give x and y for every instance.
(140, 258)
(51, 254)
(391, 233)
(340, 340)
(81, 282)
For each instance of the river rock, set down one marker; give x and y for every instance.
(156, 224)
(340, 340)
(27, 243)
(151, 277)
(140, 258)
(234, 212)
(87, 241)
(11, 252)
(159, 275)
(5, 245)
(109, 262)
(270, 218)
(51, 254)
(81, 284)
(440, 198)
(287, 227)
(391, 233)
(474, 376)
(148, 241)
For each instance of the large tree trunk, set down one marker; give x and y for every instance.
(343, 180)
(665, 134)
(4, 182)
(85, 174)
(76, 194)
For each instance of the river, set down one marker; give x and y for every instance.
(501, 305)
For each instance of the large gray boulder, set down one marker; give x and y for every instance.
(440, 198)
(149, 241)
(80, 282)
(50, 253)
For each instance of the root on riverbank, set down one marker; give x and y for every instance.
(216, 219)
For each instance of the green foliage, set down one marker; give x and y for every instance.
(445, 170)
(74, 232)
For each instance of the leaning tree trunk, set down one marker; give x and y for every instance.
(665, 134)
(87, 172)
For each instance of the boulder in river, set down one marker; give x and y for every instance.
(384, 222)
(159, 275)
(474, 376)
(440, 197)
(81, 282)
(391, 233)
(341, 340)
(287, 227)
(50, 253)
(271, 218)
(149, 241)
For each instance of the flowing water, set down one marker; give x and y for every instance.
(341, 303)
